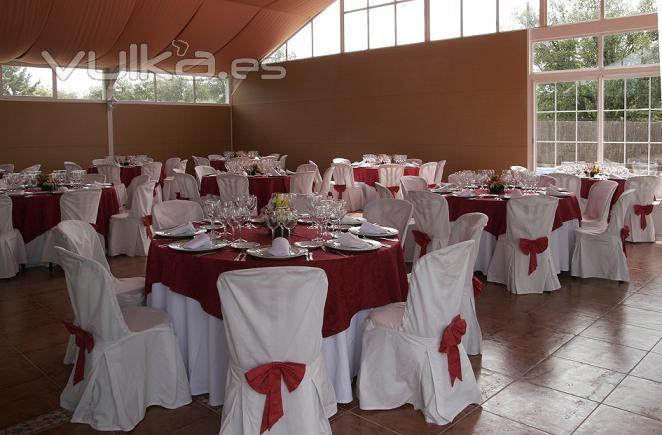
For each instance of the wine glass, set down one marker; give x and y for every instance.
(290, 222)
(251, 204)
(210, 212)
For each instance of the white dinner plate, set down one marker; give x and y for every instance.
(463, 196)
(388, 232)
(335, 244)
(245, 245)
(309, 244)
(165, 233)
(215, 245)
(295, 252)
(351, 220)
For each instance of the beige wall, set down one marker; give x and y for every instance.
(52, 132)
(462, 100)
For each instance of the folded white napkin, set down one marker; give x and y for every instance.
(351, 241)
(186, 229)
(444, 188)
(515, 193)
(371, 229)
(466, 193)
(280, 247)
(350, 220)
(199, 241)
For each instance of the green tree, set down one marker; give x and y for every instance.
(136, 90)
(211, 90)
(174, 89)
(17, 81)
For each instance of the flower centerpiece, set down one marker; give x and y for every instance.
(495, 185)
(46, 183)
(280, 218)
(254, 169)
(595, 170)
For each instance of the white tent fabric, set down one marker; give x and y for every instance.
(12, 247)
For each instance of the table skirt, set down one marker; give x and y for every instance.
(201, 339)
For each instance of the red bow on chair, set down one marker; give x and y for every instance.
(265, 379)
(451, 337)
(394, 190)
(642, 211)
(432, 186)
(478, 286)
(85, 342)
(625, 233)
(147, 221)
(532, 248)
(421, 240)
(340, 188)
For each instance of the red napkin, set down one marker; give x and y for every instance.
(85, 342)
(532, 248)
(451, 337)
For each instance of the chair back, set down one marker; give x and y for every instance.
(431, 217)
(518, 168)
(169, 214)
(7, 167)
(97, 162)
(417, 162)
(32, 168)
(454, 178)
(80, 238)
(182, 165)
(111, 172)
(390, 174)
(394, 213)
(215, 157)
(5, 214)
(469, 226)
(71, 166)
(546, 180)
(435, 290)
(382, 191)
(92, 178)
(427, 171)
(153, 170)
(644, 189)
(342, 160)
(325, 187)
(599, 200)
(201, 171)
(82, 205)
(171, 164)
(231, 186)
(530, 217)
(143, 198)
(302, 182)
(188, 187)
(273, 314)
(312, 166)
(619, 212)
(135, 182)
(439, 172)
(572, 183)
(282, 162)
(412, 183)
(343, 174)
(201, 161)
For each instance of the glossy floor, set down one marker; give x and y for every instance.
(584, 359)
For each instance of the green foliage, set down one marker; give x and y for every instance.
(174, 89)
(134, 90)
(16, 80)
(211, 90)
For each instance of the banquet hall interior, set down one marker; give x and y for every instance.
(330, 216)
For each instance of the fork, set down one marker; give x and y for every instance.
(238, 257)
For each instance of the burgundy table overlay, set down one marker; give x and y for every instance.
(495, 209)
(35, 214)
(260, 186)
(369, 175)
(219, 165)
(588, 182)
(127, 173)
(356, 282)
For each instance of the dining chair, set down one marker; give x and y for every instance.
(153, 170)
(231, 186)
(427, 171)
(325, 188)
(431, 225)
(7, 167)
(412, 352)
(394, 213)
(411, 183)
(522, 258)
(639, 217)
(389, 175)
(12, 247)
(128, 359)
(201, 161)
(546, 180)
(312, 166)
(282, 162)
(215, 157)
(382, 191)
(417, 162)
(344, 186)
(598, 204)
(32, 168)
(470, 226)
(169, 214)
(113, 175)
(600, 252)
(572, 183)
(273, 326)
(171, 164)
(518, 168)
(342, 160)
(439, 172)
(203, 170)
(72, 166)
(135, 182)
(302, 182)
(130, 233)
(188, 187)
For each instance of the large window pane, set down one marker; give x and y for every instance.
(545, 96)
(587, 152)
(351, 5)
(174, 89)
(614, 152)
(614, 94)
(614, 126)
(566, 96)
(566, 152)
(637, 95)
(134, 87)
(382, 26)
(518, 14)
(545, 155)
(478, 17)
(565, 54)
(622, 8)
(279, 55)
(572, 11)
(656, 126)
(566, 127)
(545, 127)
(636, 125)
(356, 31)
(300, 46)
(326, 31)
(410, 22)
(79, 84)
(627, 49)
(587, 126)
(587, 95)
(27, 81)
(445, 19)
(211, 90)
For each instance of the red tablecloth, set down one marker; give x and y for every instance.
(127, 173)
(262, 187)
(360, 281)
(219, 165)
(588, 182)
(34, 215)
(369, 175)
(568, 209)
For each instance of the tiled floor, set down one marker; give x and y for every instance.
(585, 359)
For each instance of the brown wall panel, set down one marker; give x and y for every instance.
(463, 100)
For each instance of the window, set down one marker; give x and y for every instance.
(572, 11)
(134, 86)
(518, 14)
(326, 31)
(623, 8)
(79, 84)
(175, 89)
(211, 90)
(478, 17)
(627, 49)
(170, 88)
(565, 54)
(300, 46)
(445, 19)
(381, 32)
(410, 22)
(22, 81)
(356, 30)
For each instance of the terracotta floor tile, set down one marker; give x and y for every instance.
(24, 401)
(15, 370)
(351, 424)
(637, 395)
(644, 301)
(575, 378)
(404, 419)
(636, 316)
(209, 425)
(506, 360)
(483, 422)
(622, 333)
(650, 367)
(602, 354)
(543, 408)
(609, 421)
(162, 420)
(491, 382)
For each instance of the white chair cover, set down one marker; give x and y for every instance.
(134, 362)
(12, 247)
(342, 160)
(599, 251)
(312, 166)
(394, 213)
(599, 201)
(431, 218)
(412, 183)
(153, 170)
(453, 179)
(572, 183)
(389, 176)
(343, 175)
(215, 157)
(80, 205)
(518, 168)
(32, 168)
(427, 172)
(201, 171)
(171, 164)
(182, 165)
(72, 166)
(231, 186)
(201, 161)
(644, 196)
(382, 191)
(415, 161)
(439, 172)
(97, 162)
(470, 226)
(135, 182)
(188, 187)
(129, 232)
(270, 315)
(282, 162)
(7, 167)
(400, 358)
(169, 214)
(546, 180)
(530, 218)
(112, 174)
(94, 178)
(325, 188)
(302, 182)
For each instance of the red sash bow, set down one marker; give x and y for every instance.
(147, 221)
(478, 286)
(642, 211)
(625, 233)
(451, 337)
(421, 240)
(340, 188)
(532, 248)
(266, 378)
(85, 342)
(394, 190)
(432, 186)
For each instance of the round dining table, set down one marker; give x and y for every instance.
(588, 182)
(370, 174)
(184, 285)
(259, 185)
(127, 173)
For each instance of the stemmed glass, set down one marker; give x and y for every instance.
(243, 216)
(251, 204)
(290, 222)
(210, 209)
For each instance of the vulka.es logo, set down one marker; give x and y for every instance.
(138, 63)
